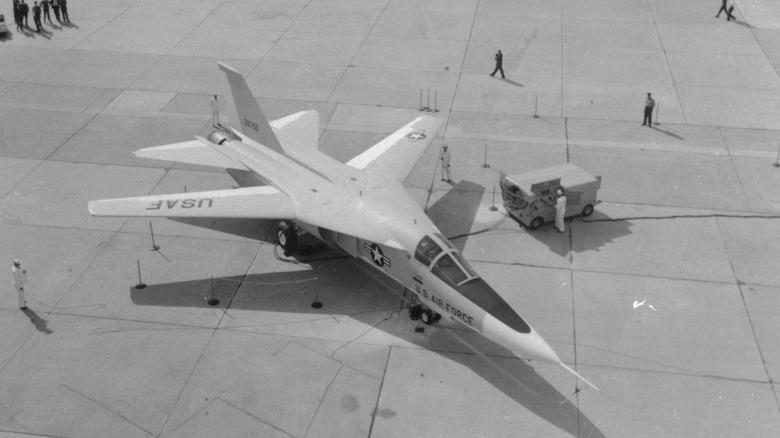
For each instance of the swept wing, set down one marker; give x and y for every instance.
(395, 156)
(249, 202)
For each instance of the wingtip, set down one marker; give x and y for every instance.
(226, 68)
(576, 374)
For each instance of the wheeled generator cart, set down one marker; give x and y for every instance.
(530, 197)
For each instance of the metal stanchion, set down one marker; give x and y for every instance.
(485, 164)
(493, 207)
(140, 284)
(213, 301)
(657, 112)
(155, 247)
(536, 104)
(777, 160)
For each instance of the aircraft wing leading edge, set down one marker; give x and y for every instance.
(244, 203)
(190, 152)
(395, 156)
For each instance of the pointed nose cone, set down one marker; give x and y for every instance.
(532, 346)
(527, 345)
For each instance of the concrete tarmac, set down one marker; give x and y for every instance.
(666, 298)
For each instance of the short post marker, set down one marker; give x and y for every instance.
(428, 103)
(536, 104)
(777, 160)
(485, 165)
(422, 108)
(435, 101)
(657, 112)
(213, 301)
(140, 284)
(316, 304)
(155, 247)
(493, 206)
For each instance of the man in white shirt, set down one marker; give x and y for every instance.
(445, 164)
(560, 211)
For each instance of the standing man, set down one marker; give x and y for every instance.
(64, 9)
(25, 11)
(214, 110)
(499, 64)
(445, 164)
(37, 16)
(55, 4)
(20, 280)
(560, 211)
(649, 104)
(46, 16)
(18, 15)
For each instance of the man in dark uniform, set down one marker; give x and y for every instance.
(25, 11)
(499, 64)
(37, 16)
(45, 4)
(64, 9)
(55, 4)
(18, 15)
(727, 11)
(649, 104)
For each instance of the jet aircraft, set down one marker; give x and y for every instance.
(360, 207)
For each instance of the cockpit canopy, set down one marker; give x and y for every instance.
(450, 266)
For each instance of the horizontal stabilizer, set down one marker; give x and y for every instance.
(247, 203)
(299, 131)
(191, 152)
(395, 156)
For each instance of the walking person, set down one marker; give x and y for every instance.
(55, 4)
(445, 164)
(20, 281)
(499, 64)
(730, 12)
(724, 8)
(64, 10)
(560, 211)
(649, 104)
(37, 16)
(45, 4)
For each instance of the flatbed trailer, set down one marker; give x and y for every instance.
(530, 197)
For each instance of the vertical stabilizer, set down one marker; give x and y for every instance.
(251, 121)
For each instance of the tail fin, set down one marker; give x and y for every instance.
(251, 121)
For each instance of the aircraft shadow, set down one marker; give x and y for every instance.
(454, 212)
(263, 230)
(344, 287)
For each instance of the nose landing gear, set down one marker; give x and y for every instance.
(423, 312)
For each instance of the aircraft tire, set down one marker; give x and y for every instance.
(536, 223)
(436, 317)
(414, 312)
(427, 317)
(287, 238)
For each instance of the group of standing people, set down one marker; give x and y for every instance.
(22, 11)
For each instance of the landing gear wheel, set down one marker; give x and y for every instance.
(414, 312)
(536, 223)
(427, 317)
(287, 238)
(436, 317)
(587, 211)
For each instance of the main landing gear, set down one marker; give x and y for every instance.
(287, 238)
(423, 312)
